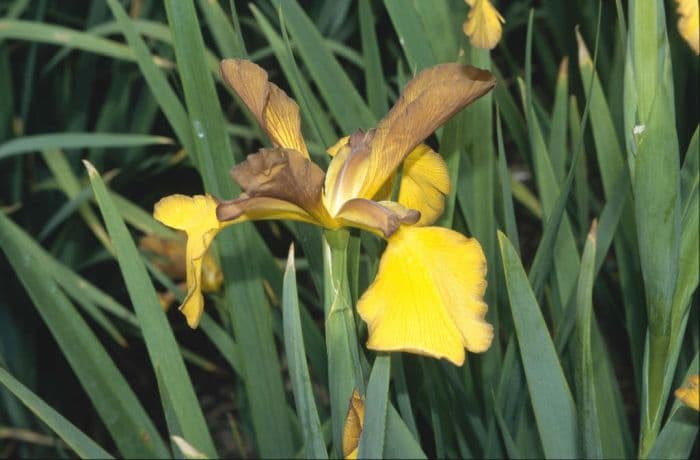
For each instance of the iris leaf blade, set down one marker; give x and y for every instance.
(299, 371)
(342, 98)
(372, 439)
(158, 336)
(106, 387)
(83, 446)
(39, 142)
(245, 256)
(555, 412)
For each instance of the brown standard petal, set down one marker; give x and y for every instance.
(276, 112)
(427, 102)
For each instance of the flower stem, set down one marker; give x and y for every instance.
(344, 369)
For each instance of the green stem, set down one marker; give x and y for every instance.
(654, 391)
(344, 369)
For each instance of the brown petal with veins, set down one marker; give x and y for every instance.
(427, 102)
(276, 112)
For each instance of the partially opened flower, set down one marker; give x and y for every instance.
(483, 24)
(354, 421)
(689, 22)
(427, 297)
(689, 395)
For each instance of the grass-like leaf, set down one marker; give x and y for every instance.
(343, 100)
(552, 402)
(115, 402)
(160, 342)
(314, 446)
(376, 401)
(64, 36)
(38, 142)
(589, 422)
(72, 436)
(246, 300)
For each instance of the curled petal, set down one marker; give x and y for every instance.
(276, 112)
(427, 102)
(196, 216)
(690, 394)
(381, 218)
(425, 181)
(286, 175)
(483, 24)
(335, 148)
(428, 296)
(354, 422)
(347, 170)
(245, 208)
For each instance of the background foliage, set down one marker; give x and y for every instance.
(595, 116)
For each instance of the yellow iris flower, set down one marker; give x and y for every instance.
(689, 22)
(690, 394)
(483, 24)
(428, 294)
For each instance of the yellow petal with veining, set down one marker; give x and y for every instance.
(425, 181)
(427, 297)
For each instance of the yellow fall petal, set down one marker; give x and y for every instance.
(427, 297)
(354, 422)
(690, 395)
(424, 183)
(689, 23)
(483, 24)
(196, 216)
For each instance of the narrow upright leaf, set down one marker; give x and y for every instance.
(555, 412)
(314, 447)
(160, 342)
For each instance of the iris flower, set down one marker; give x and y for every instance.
(427, 297)
(483, 24)
(689, 22)
(690, 396)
